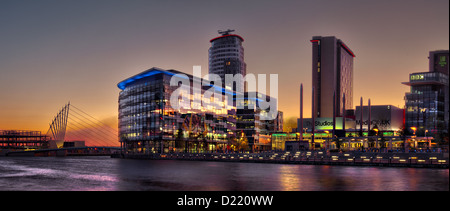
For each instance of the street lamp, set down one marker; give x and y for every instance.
(376, 130)
(376, 138)
(414, 129)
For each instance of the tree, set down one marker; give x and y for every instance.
(242, 143)
(290, 123)
(179, 142)
(232, 142)
(338, 142)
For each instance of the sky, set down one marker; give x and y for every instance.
(56, 51)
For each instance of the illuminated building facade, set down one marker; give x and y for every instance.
(332, 72)
(383, 117)
(427, 105)
(226, 56)
(148, 123)
(256, 129)
(388, 119)
(23, 140)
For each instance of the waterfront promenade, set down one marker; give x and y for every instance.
(352, 158)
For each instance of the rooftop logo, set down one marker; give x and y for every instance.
(191, 96)
(442, 61)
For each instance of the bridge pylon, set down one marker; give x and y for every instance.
(58, 126)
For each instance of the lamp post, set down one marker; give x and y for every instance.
(376, 138)
(414, 130)
(414, 133)
(328, 142)
(304, 130)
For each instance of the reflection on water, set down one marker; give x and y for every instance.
(104, 173)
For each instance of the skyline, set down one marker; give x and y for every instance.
(59, 51)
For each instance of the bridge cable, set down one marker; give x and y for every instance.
(84, 128)
(82, 134)
(94, 137)
(108, 134)
(107, 126)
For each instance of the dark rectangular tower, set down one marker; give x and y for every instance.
(332, 71)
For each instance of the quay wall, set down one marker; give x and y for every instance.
(415, 160)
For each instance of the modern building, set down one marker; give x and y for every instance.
(438, 62)
(325, 124)
(149, 123)
(382, 117)
(23, 140)
(257, 129)
(427, 103)
(332, 75)
(282, 141)
(226, 56)
(387, 119)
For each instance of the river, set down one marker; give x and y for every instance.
(108, 174)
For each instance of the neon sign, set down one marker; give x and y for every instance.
(442, 61)
(417, 77)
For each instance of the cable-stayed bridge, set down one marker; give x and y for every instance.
(71, 132)
(73, 124)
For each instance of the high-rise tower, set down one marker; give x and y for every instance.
(332, 71)
(226, 56)
(427, 103)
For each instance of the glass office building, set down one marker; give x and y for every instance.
(258, 130)
(148, 123)
(425, 103)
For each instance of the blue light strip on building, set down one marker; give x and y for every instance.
(122, 85)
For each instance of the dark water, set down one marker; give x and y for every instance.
(104, 173)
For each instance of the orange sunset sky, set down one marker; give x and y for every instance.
(55, 51)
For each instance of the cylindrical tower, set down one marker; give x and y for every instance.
(226, 56)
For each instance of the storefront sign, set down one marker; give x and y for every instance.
(323, 123)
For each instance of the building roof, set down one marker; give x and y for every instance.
(316, 39)
(228, 35)
(427, 78)
(154, 71)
